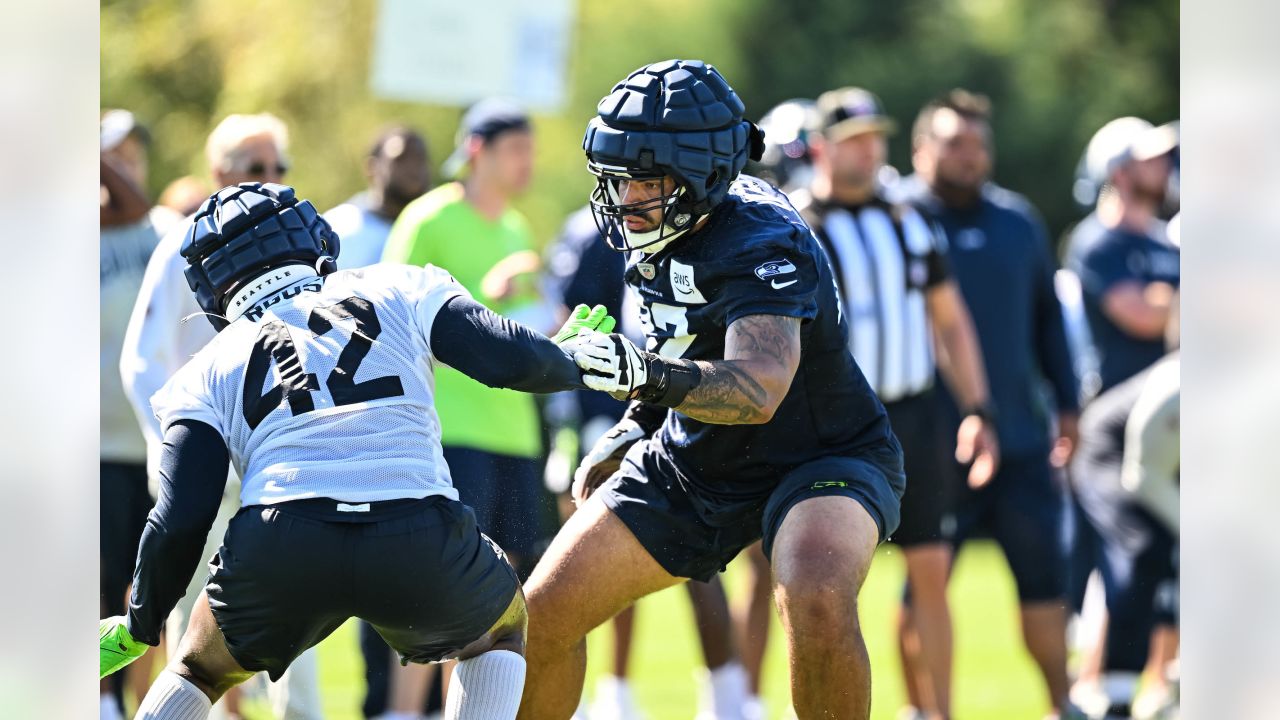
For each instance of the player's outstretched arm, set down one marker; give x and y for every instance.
(193, 473)
(762, 353)
(499, 352)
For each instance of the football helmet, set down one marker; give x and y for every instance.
(676, 118)
(787, 162)
(243, 231)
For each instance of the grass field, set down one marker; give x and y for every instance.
(994, 677)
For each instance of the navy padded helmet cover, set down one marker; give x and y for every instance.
(243, 230)
(678, 117)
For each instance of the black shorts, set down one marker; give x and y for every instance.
(504, 491)
(1023, 509)
(123, 504)
(419, 571)
(928, 507)
(646, 495)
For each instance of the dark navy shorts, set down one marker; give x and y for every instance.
(504, 491)
(647, 496)
(1022, 509)
(928, 507)
(419, 571)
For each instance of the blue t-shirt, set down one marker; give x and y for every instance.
(1122, 256)
(1000, 256)
(755, 256)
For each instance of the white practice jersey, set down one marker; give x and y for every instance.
(325, 388)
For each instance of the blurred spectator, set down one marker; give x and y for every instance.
(126, 240)
(787, 163)
(1129, 276)
(398, 172)
(491, 437)
(160, 340)
(185, 194)
(897, 289)
(1001, 256)
(1126, 476)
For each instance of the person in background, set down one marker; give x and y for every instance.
(1001, 258)
(398, 171)
(185, 194)
(126, 240)
(166, 329)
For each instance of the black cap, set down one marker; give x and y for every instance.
(488, 119)
(851, 111)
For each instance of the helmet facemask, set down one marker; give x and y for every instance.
(610, 213)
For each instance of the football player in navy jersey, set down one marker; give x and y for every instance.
(748, 419)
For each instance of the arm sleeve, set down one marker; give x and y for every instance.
(193, 473)
(499, 352)
(1053, 353)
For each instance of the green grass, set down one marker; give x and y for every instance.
(994, 677)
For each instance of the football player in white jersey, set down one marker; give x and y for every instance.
(319, 389)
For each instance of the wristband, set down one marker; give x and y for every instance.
(669, 380)
(986, 412)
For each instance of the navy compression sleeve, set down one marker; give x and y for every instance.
(193, 474)
(498, 352)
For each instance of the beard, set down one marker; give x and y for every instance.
(955, 192)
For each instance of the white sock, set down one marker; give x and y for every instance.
(486, 687)
(753, 708)
(172, 697)
(729, 684)
(108, 708)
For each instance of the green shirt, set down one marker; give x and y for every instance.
(443, 229)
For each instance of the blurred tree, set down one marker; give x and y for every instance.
(1055, 69)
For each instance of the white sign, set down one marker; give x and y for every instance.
(455, 53)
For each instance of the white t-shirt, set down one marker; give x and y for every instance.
(325, 388)
(362, 234)
(158, 342)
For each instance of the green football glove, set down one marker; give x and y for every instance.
(584, 320)
(118, 648)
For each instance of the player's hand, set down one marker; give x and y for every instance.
(584, 320)
(604, 458)
(613, 364)
(117, 647)
(976, 443)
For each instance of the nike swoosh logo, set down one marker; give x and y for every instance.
(777, 286)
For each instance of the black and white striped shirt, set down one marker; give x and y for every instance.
(885, 258)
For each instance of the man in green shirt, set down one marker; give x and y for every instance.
(491, 436)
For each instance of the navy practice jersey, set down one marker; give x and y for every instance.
(754, 256)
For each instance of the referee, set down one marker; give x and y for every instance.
(898, 295)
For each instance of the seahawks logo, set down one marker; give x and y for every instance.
(774, 268)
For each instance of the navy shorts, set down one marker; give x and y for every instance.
(928, 507)
(647, 496)
(1022, 509)
(419, 571)
(504, 491)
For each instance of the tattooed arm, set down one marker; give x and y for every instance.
(761, 354)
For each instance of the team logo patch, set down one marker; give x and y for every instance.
(773, 268)
(824, 484)
(647, 270)
(682, 282)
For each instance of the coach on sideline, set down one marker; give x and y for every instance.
(1001, 256)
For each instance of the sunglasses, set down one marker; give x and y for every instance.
(260, 169)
